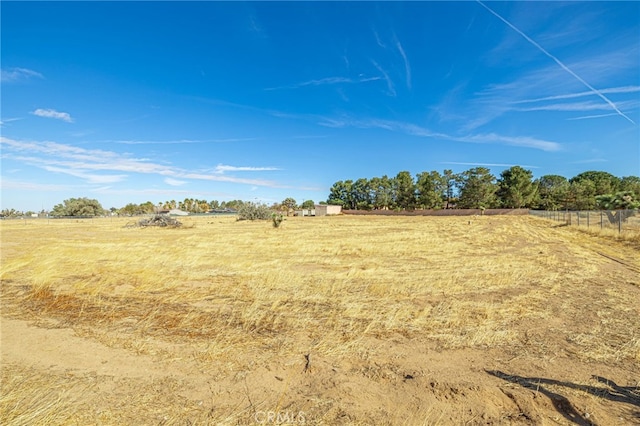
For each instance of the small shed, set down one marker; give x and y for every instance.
(327, 209)
(305, 212)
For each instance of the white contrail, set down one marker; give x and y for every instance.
(407, 68)
(563, 66)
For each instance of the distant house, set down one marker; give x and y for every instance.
(327, 210)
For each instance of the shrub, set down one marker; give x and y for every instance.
(277, 219)
(254, 211)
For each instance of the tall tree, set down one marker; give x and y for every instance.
(582, 194)
(289, 204)
(516, 188)
(431, 188)
(361, 194)
(340, 194)
(603, 182)
(405, 191)
(553, 191)
(450, 180)
(477, 188)
(381, 192)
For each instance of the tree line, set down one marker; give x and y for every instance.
(88, 207)
(478, 188)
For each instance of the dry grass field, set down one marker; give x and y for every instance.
(335, 320)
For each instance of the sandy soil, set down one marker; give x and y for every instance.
(406, 383)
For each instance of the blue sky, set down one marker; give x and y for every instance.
(153, 101)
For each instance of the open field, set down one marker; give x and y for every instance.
(403, 320)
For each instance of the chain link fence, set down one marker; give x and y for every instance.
(620, 220)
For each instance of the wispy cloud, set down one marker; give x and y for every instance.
(89, 177)
(586, 117)
(521, 141)
(34, 186)
(162, 192)
(589, 161)
(174, 182)
(415, 130)
(624, 89)
(385, 75)
(574, 106)
(14, 75)
(81, 162)
(4, 121)
(327, 81)
(221, 168)
(540, 86)
(407, 67)
(557, 61)
(180, 141)
(52, 113)
(378, 41)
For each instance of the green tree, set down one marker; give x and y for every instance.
(289, 204)
(431, 188)
(451, 179)
(147, 207)
(516, 188)
(340, 194)
(78, 207)
(233, 204)
(603, 182)
(381, 192)
(10, 213)
(308, 204)
(405, 191)
(477, 188)
(553, 192)
(361, 194)
(582, 195)
(631, 184)
(131, 209)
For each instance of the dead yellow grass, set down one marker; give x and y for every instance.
(230, 296)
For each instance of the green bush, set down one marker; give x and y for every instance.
(277, 219)
(254, 211)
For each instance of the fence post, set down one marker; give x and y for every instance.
(578, 213)
(588, 214)
(619, 221)
(600, 219)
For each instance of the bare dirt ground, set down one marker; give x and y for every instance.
(522, 349)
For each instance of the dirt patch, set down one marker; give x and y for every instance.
(404, 382)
